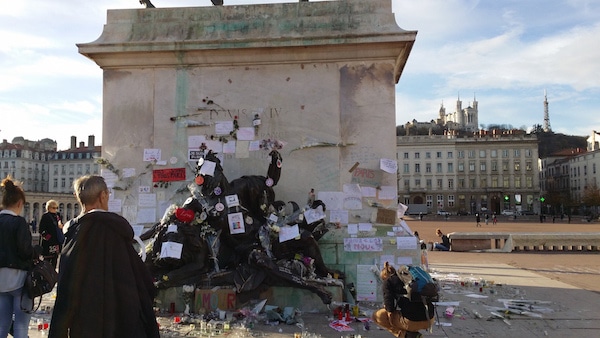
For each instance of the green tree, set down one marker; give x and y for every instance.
(591, 197)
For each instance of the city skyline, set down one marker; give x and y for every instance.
(506, 54)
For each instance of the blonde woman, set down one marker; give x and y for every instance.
(401, 316)
(51, 233)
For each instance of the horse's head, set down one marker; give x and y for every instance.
(210, 176)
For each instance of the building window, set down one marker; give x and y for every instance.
(63, 182)
(406, 184)
(482, 166)
(494, 165)
(461, 154)
(483, 182)
(429, 201)
(505, 183)
(461, 183)
(417, 182)
(417, 155)
(529, 181)
(440, 183)
(472, 183)
(527, 152)
(504, 165)
(449, 154)
(528, 166)
(517, 152)
(493, 153)
(471, 165)
(471, 153)
(440, 201)
(406, 168)
(55, 183)
(461, 167)
(427, 167)
(427, 154)
(417, 167)
(505, 153)
(438, 167)
(517, 182)
(406, 156)
(517, 166)
(494, 182)
(438, 154)
(450, 167)
(482, 154)
(428, 183)
(451, 200)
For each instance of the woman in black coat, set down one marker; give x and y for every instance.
(51, 233)
(16, 257)
(399, 314)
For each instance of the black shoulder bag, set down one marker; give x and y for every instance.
(40, 280)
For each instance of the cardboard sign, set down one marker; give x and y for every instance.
(386, 216)
(368, 177)
(168, 175)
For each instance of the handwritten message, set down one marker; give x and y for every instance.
(363, 244)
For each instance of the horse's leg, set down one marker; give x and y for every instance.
(261, 260)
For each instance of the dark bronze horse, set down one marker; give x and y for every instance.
(239, 241)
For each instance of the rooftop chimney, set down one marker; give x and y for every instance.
(73, 142)
(91, 141)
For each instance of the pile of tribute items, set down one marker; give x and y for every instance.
(237, 233)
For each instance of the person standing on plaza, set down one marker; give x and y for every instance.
(51, 233)
(478, 220)
(104, 288)
(16, 257)
(487, 218)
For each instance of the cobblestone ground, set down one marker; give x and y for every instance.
(580, 269)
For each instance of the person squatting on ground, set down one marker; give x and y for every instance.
(445, 245)
(51, 233)
(16, 257)
(400, 315)
(104, 288)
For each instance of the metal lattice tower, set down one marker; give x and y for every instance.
(546, 114)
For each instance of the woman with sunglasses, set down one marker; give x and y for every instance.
(51, 233)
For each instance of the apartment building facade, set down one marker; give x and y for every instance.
(487, 171)
(46, 173)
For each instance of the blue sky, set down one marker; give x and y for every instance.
(505, 53)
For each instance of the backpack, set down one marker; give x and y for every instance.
(422, 285)
(422, 288)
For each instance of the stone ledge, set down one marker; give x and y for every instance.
(508, 242)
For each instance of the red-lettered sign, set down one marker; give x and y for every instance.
(168, 175)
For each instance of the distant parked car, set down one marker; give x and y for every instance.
(507, 213)
(526, 212)
(443, 213)
(462, 213)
